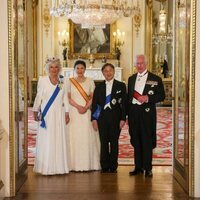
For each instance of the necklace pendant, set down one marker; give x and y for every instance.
(138, 79)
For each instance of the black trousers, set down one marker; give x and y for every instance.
(141, 133)
(109, 132)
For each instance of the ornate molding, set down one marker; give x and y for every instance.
(149, 3)
(137, 22)
(192, 101)
(34, 3)
(148, 31)
(46, 18)
(12, 28)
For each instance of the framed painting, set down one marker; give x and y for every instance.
(95, 41)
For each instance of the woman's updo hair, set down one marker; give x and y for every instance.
(50, 61)
(80, 62)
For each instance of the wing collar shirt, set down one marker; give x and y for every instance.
(140, 84)
(109, 85)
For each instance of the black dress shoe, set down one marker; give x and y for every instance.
(148, 173)
(136, 171)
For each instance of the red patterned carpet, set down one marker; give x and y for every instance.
(162, 154)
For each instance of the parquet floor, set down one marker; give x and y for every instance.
(98, 186)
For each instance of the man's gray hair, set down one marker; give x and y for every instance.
(140, 55)
(50, 61)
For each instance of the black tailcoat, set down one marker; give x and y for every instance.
(142, 119)
(109, 121)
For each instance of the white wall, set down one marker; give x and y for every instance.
(4, 100)
(197, 105)
(45, 40)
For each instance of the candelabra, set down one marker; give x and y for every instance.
(118, 38)
(63, 40)
(91, 61)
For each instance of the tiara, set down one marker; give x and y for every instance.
(53, 59)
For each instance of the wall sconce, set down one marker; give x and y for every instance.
(63, 40)
(118, 38)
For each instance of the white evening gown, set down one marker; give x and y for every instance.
(51, 145)
(84, 145)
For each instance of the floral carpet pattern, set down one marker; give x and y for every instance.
(162, 154)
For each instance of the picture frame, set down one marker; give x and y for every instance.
(96, 41)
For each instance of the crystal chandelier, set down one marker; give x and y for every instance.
(163, 35)
(93, 13)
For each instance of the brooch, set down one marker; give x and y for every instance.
(119, 100)
(114, 101)
(147, 109)
(151, 92)
(60, 81)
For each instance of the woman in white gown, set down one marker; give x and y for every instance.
(51, 149)
(84, 141)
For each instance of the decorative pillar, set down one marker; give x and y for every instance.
(148, 38)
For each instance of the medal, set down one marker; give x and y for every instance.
(150, 92)
(114, 101)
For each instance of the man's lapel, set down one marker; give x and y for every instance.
(104, 91)
(133, 83)
(113, 89)
(146, 86)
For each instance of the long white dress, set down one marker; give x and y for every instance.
(83, 140)
(51, 145)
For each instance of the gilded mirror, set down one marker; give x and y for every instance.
(182, 89)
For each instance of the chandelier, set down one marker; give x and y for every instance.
(164, 34)
(93, 13)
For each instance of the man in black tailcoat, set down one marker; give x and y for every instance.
(109, 116)
(145, 89)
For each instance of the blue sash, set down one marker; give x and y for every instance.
(49, 103)
(97, 112)
(108, 99)
(107, 102)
